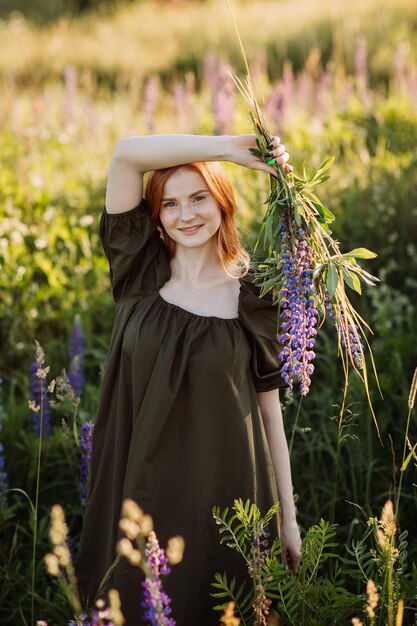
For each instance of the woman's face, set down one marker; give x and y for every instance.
(189, 213)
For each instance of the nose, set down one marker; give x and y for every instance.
(187, 212)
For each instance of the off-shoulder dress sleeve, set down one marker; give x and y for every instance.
(259, 318)
(138, 258)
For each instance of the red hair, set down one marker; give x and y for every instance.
(231, 252)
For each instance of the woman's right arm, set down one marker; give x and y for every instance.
(133, 156)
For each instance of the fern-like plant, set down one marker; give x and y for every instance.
(316, 597)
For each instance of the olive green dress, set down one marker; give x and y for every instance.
(178, 426)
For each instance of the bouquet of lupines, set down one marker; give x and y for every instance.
(305, 270)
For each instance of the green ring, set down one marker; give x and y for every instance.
(271, 162)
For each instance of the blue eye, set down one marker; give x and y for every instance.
(200, 198)
(169, 205)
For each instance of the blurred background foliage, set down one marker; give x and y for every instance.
(333, 80)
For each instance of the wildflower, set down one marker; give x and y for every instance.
(70, 545)
(3, 474)
(59, 561)
(134, 521)
(156, 602)
(3, 479)
(400, 613)
(86, 444)
(132, 511)
(124, 547)
(38, 402)
(356, 621)
(151, 559)
(58, 531)
(76, 375)
(228, 618)
(150, 97)
(387, 522)
(298, 313)
(115, 607)
(175, 550)
(350, 337)
(372, 592)
(52, 564)
(256, 563)
(130, 528)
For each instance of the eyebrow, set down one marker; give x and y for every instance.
(196, 193)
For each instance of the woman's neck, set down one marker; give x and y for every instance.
(191, 265)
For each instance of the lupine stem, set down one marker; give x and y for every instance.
(35, 513)
(295, 426)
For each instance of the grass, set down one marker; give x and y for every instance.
(140, 39)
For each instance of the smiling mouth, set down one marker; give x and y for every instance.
(191, 229)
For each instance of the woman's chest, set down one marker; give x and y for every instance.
(158, 333)
(219, 300)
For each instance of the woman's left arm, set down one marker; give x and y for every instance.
(274, 428)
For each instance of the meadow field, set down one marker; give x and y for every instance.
(333, 80)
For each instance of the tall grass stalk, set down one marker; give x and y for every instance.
(338, 449)
(41, 373)
(405, 461)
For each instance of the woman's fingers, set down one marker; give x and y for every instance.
(274, 142)
(292, 560)
(277, 155)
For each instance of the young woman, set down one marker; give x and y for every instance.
(189, 414)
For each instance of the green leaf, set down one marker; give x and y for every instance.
(317, 270)
(256, 152)
(361, 253)
(332, 279)
(297, 215)
(324, 212)
(352, 280)
(323, 169)
(408, 459)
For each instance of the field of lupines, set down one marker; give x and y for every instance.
(58, 129)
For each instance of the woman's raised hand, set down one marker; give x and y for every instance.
(240, 154)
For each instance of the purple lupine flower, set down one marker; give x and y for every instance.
(70, 545)
(222, 93)
(274, 106)
(298, 313)
(39, 399)
(3, 480)
(82, 619)
(86, 445)
(76, 370)
(328, 305)
(3, 474)
(156, 602)
(259, 550)
(256, 564)
(361, 73)
(70, 81)
(150, 97)
(354, 346)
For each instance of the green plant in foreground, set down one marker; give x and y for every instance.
(319, 594)
(310, 598)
